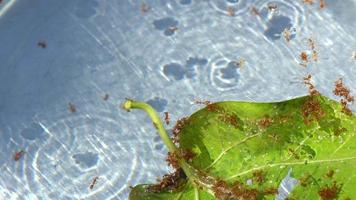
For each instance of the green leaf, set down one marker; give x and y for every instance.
(236, 143)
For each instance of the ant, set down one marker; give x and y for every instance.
(312, 47)
(272, 7)
(18, 155)
(230, 11)
(42, 44)
(304, 58)
(106, 97)
(72, 108)
(166, 117)
(173, 29)
(202, 102)
(144, 8)
(254, 11)
(274, 137)
(239, 64)
(310, 2)
(93, 182)
(322, 4)
(286, 34)
(330, 173)
(293, 153)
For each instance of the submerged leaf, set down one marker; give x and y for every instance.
(244, 150)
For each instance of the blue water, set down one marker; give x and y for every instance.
(174, 53)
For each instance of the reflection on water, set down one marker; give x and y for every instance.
(168, 54)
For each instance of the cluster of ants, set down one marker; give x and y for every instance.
(238, 190)
(327, 192)
(221, 189)
(322, 3)
(311, 109)
(304, 56)
(346, 98)
(174, 180)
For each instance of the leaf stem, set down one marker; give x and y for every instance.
(188, 170)
(131, 104)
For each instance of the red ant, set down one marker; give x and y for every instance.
(286, 34)
(230, 11)
(166, 117)
(72, 108)
(310, 2)
(254, 11)
(93, 182)
(18, 155)
(106, 97)
(240, 63)
(42, 44)
(202, 102)
(312, 47)
(173, 29)
(330, 173)
(322, 4)
(304, 58)
(144, 8)
(272, 7)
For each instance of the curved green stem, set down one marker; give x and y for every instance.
(188, 170)
(155, 119)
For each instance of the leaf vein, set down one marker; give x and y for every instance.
(229, 148)
(290, 164)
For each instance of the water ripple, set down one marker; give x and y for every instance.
(55, 167)
(287, 14)
(238, 7)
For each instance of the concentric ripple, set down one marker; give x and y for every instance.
(236, 64)
(79, 148)
(278, 15)
(225, 73)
